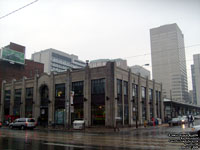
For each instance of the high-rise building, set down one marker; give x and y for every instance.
(57, 61)
(196, 78)
(193, 85)
(168, 61)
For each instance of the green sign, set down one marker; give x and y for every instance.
(12, 56)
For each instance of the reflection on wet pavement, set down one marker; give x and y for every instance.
(140, 139)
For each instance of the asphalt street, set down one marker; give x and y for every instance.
(151, 138)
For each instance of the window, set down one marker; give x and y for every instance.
(119, 87)
(98, 86)
(61, 58)
(143, 92)
(135, 90)
(7, 95)
(29, 93)
(60, 90)
(77, 87)
(150, 94)
(125, 88)
(18, 93)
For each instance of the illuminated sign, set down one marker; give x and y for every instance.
(12, 56)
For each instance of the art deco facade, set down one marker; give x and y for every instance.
(106, 95)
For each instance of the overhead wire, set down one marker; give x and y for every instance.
(14, 11)
(161, 51)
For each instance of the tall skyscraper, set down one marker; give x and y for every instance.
(196, 78)
(168, 61)
(193, 85)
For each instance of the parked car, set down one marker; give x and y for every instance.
(23, 123)
(175, 121)
(197, 117)
(0, 124)
(196, 130)
(184, 119)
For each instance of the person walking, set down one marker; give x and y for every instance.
(192, 120)
(188, 117)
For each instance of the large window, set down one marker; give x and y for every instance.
(151, 102)
(29, 102)
(125, 88)
(135, 100)
(17, 102)
(29, 93)
(126, 110)
(59, 116)
(119, 87)
(7, 95)
(77, 87)
(143, 92)
(98, 101)
(60, 90)
(98, 86)
(59, 103)
(7, 102)
(143, 103)
(119, 102)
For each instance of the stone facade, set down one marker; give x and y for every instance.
(109, 75)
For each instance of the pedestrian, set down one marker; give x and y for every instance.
(188, 117)
(192, 120)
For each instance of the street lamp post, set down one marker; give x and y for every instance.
(171, 103)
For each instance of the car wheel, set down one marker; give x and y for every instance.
(22, 127)
(198, 134)
(10, 127)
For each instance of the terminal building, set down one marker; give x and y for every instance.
(106, 96)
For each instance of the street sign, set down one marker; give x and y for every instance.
(72, 109)
(72, 97)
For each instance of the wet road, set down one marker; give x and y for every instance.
(153, 138)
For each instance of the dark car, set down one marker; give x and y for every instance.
(23, 123)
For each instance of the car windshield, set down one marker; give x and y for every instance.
(31, 120)
(175, 119)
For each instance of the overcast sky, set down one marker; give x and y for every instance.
(94, 29)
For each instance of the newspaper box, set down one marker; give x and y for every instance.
(79, 124)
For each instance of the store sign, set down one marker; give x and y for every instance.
(12, 56)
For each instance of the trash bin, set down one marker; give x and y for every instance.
(159, 121)
(79, 124)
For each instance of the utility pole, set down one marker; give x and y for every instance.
(171, 102)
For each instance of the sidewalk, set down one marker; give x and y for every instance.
(97, 129)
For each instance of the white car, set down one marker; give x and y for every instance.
(196, 130)
(23, 123)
